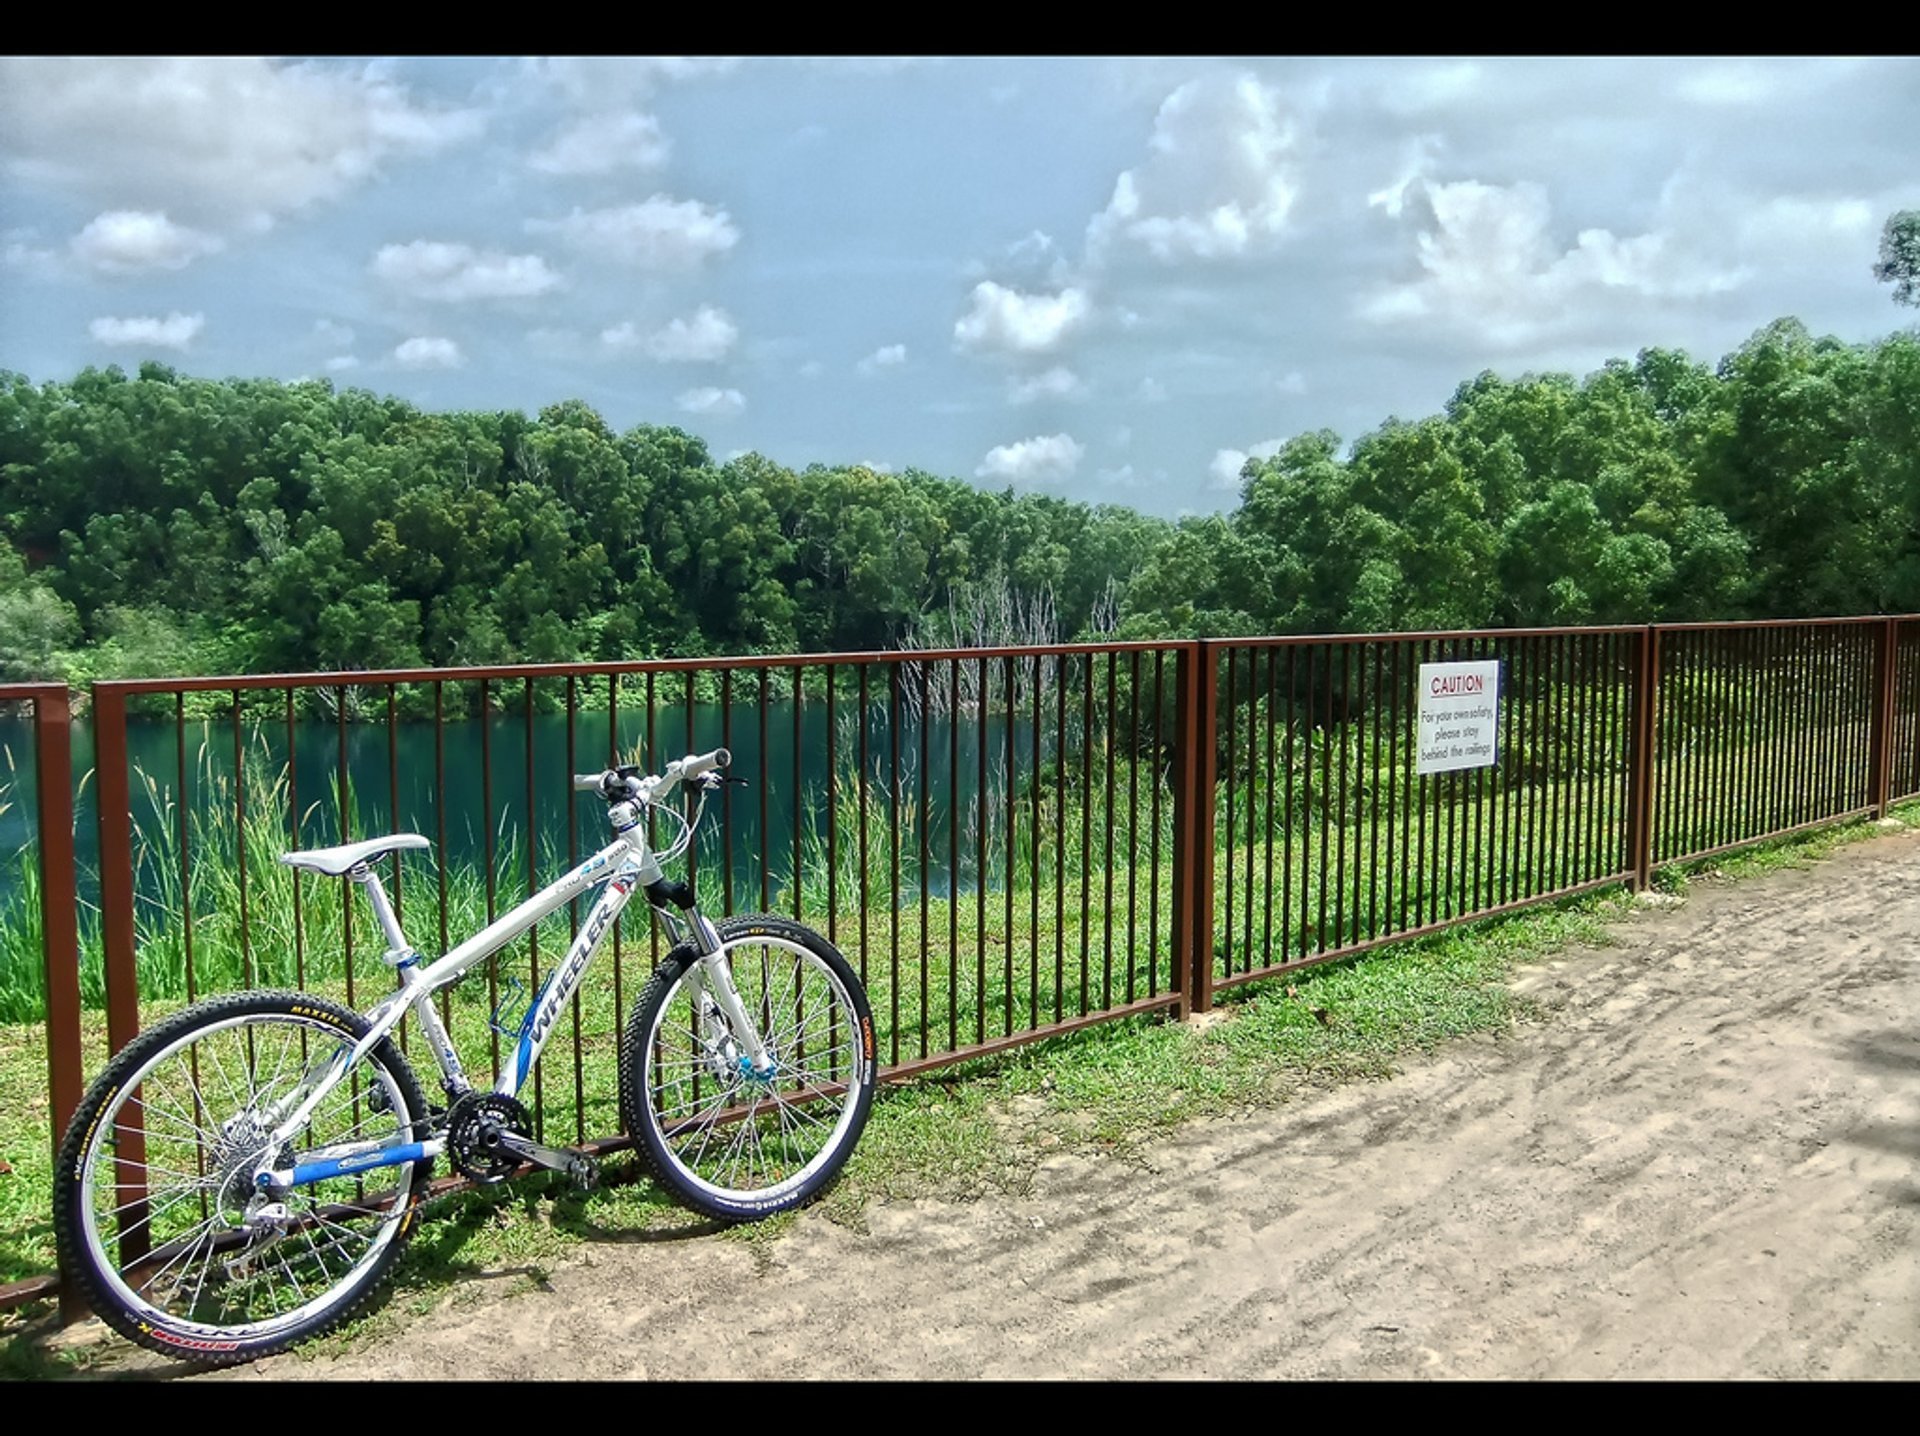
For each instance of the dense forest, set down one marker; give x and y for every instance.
(158, 524)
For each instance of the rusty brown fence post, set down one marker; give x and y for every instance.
(1195, 763)
(1640, 781)
(1880, 781)
(60, 929)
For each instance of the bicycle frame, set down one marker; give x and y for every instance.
(632, 864)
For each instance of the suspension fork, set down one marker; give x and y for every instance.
(710, 969)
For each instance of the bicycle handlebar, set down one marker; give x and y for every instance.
(616, 784)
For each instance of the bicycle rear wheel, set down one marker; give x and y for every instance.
(154, 1198)
(727, 1141)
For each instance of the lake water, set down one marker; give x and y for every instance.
(463, 785)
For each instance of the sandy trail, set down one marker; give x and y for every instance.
(1706, 1164)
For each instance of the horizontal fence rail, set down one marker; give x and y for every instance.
(1007, 843)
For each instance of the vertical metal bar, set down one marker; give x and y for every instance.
(866, 886)
(613, 761)
(1133, 820)
(533, 886)
(832, 672)
(114, 813)
(1206, 737)
(1086, 831)
(1228, 659)
(1881, 739)
(1516, 756)
(893, 852)
(766, 772)
(1800, 728)
(799, 778)
(1370, 701)
(1060, 836)
(953, 853)
(1396, 852)
(726, 801)
(1013, 830)
(980, 808)
(1106, 942)
(1640, 794)
(1540, 664)
(573, 909)
(343, 788)
(1272, 782)
(239, 841)
(1826, 721)
(1184, 787)
(923, 681)
(1153, 820)
(1033, 861)
(1600, 674)
(59, 930)
(181, 836)
(1340, 825)
(1419, 790)
(1253, 771)
(440, 829)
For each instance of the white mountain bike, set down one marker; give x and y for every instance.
(243, 1174)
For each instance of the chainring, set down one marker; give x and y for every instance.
(474, 1128)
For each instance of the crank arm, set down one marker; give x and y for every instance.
(556, 1159)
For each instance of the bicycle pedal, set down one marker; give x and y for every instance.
(583, 1172)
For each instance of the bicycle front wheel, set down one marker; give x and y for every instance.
(726, 1140)
(155, 1202)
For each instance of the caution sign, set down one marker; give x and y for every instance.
(1459, 716)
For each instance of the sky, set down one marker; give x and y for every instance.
(1108, 279)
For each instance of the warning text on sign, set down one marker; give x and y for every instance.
(1459, 716)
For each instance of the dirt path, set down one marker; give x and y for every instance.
(1707, 1164)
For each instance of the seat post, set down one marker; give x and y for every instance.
(399, 951)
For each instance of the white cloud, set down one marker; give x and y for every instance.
(600, 144)
(126, 241)
(876, 466)
(812, 369)
(455, 273)
(1151, 391)
(1123, 436)
(1219, 181)
(1421, 154)
(606, 82)
(1431, 88)
(176, 331)
(332, 334)
(1121, 477)
(1042, 459)
(1059, 382)
(1007, 320)
(1491, 267)
(1291, 383)
(887, 356)
(657, 233)
(717, 402)
(222, 139)
(704, 337)
(22, 253)
(427, 352)
(341, 363)
(1227, 463)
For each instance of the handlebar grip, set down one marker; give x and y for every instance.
(587, 782)
(694, 767)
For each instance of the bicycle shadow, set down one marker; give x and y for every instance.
(1896, 1053)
